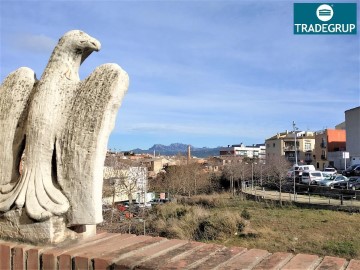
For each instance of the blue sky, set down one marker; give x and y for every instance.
(206, 73)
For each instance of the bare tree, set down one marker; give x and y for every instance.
(276, 169)
(186, 179)
(236, 171)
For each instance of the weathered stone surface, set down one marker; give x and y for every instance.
(16, 225)
(62, 125)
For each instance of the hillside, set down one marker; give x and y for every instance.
(176, 148)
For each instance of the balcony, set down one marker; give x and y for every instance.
(289, 148)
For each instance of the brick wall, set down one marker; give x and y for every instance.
(126, 251)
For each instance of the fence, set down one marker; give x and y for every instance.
(309, 195)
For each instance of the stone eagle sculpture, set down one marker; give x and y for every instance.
(62, 125)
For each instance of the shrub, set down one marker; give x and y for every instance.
(245, 214)
(170, 210)
(219, 226)
(204, 201)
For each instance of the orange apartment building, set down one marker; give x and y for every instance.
(330, 144)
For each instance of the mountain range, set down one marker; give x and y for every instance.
(176, 148)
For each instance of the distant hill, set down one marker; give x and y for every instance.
(176, 148)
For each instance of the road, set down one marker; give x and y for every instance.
(305, 198)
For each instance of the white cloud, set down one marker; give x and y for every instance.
(34, 43)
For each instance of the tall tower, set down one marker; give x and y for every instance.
(188, 154)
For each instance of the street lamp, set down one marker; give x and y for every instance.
(252, 175)
(295, 128)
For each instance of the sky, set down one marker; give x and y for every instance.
(206, 73)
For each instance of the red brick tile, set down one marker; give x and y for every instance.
(49, 257)
(353, 265)
(274, 261)
(155, 250)
(33, 258)
(220, 256)
(246, 260)
(82, 263)
(157, 262)
(5, 254)
(332, 263)
(91, 249)
(19, 257)
(192, 257)
(124, 249)
(302, 261)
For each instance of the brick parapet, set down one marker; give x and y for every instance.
(127, 251)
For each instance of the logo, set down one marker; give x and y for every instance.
(330, 18)
(324, 13)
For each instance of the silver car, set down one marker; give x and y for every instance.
(333, 179)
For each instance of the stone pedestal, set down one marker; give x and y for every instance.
(17, 226)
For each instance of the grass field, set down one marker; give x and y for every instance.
(297, 230)
(234, 221)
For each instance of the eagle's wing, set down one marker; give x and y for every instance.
(15, 93)
(82, 141)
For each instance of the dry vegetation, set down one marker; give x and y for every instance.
(298, 230)
(233, 221)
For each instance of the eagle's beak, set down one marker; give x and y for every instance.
(91, 45)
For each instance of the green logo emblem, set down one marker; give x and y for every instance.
(317, 18)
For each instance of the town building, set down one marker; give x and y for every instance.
(283, 144)
(330, 146)
(128, 183)
(255, 151)
(352, 122)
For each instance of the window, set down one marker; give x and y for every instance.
(273, 144)
(307, 146)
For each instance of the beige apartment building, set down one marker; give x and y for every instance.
(283, 144)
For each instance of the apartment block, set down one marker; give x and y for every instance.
(330, 144)
(283, 144)
(352, 120)
(256, 151)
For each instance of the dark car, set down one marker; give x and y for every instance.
(353, 170)
(353, 183)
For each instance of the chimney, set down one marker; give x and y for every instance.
(188, 154)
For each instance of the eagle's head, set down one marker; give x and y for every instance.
(79, 43)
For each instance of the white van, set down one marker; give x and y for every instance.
(300, 168)
(313, 177)
(304, 167)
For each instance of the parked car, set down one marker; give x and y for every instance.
(313, 177)
(353, 170)
(333, 179)
(352, 183)
(299, 169)
(330, 170)
(158, 201)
